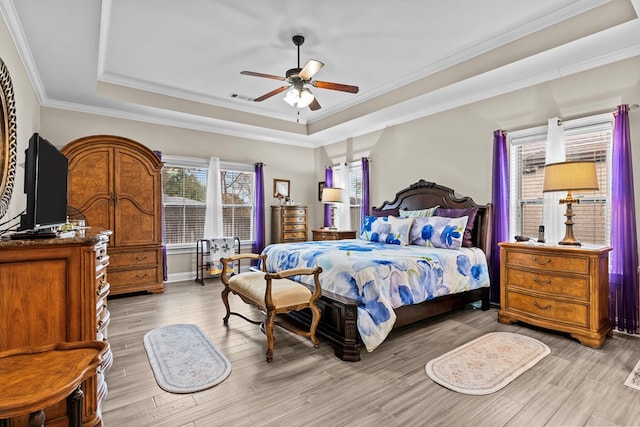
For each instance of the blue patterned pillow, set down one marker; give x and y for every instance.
(439, 232)
(420, 213)
(390, 230)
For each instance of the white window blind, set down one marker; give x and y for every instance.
(184, 185)
(353, 187)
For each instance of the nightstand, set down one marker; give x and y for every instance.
(325, 234)
(562, 288)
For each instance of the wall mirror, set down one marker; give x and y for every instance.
(281, 186)
(8, 139)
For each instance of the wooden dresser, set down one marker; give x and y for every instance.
(557, 287)
(289, 223)
(55, 290)
(117, 185)
(326, 234)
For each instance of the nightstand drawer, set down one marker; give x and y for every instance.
(549, 261)
(571, 286)
(549, 308)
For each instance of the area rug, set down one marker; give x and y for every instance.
(633, 380)
(486, 364)
(184, 359)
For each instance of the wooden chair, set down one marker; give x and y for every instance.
(273, 294)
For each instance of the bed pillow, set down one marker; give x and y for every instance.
(438, 232)
(420, 213)
(457, 213)
(386, 230)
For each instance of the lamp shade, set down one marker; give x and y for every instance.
(570, 176)
(332, 195)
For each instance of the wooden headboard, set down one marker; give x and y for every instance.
(424, 194)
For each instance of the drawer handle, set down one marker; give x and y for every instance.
(141, 276)
(543, 261)
(546, 307)
(141, 257)
(542, 282)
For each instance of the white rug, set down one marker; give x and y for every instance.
(184, 359)
(486, 364)
(633, 380)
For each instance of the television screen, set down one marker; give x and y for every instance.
(45, 184)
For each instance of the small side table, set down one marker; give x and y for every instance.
(328, 234)
(32, 379)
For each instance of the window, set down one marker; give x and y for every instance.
(184, 186)
(237, 201)
(354, 188)
(587, 139)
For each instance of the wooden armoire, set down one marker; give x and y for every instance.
(116, 183)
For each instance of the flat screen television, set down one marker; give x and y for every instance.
(46, 171)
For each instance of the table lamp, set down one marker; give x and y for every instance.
(570, 176)
(332, 196)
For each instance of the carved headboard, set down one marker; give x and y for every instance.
(424, 194)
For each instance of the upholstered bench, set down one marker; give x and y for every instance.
(273, 293)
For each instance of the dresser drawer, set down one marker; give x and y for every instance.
(575, 286)
(133, 277)
(549, 261)
(297, 235)
(294, 220)
(548, 308)
(294, 227)
(134, 258)
(293, 212)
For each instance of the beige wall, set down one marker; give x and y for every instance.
(455, 147)
(27, 115)
(281, 161)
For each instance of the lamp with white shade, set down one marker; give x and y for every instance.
(331, 195)
(570, 176)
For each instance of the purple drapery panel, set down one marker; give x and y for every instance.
(258, 213)
(165, 271)
(365, 205)
(623, 277)
(328, 182)
(500, 201)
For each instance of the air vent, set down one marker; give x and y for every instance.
(240, 97)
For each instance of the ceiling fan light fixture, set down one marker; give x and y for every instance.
(306, 97)
(292, 97)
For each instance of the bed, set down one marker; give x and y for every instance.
(376, 283)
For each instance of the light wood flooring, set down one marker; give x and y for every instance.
(573, 386)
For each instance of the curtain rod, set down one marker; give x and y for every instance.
(632, 107)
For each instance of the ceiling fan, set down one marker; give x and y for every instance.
(297, 78)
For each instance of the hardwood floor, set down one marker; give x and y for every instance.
(573, 386)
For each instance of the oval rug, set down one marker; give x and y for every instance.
(183, 359)
(486, 364)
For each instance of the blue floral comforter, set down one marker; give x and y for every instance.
(381, 276)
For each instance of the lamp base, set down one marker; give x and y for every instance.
(569, 239)
(569, 243)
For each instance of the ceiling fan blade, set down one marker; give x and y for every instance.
(310, 69)
(315, 105)
(270, 94)
(335, 86)
(268, 76)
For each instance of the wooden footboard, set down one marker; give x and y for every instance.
(339, 317)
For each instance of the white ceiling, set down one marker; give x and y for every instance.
(179, 62)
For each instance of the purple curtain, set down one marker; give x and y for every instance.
(165, 271)
(364, 206)
(328, 182)
(623, 277)
(258, 213)
(500, 201)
